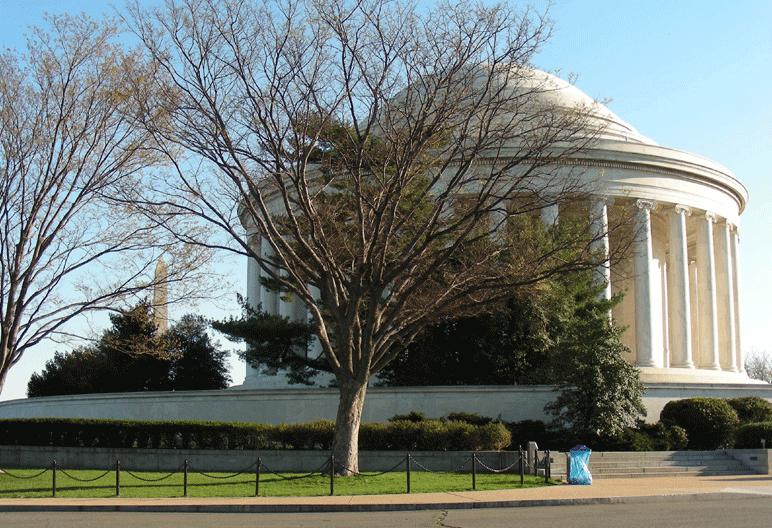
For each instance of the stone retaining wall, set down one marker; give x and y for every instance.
(166, 460)
(296, 405)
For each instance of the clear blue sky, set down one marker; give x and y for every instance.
(691, 75)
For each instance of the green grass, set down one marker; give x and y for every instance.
(244, 485)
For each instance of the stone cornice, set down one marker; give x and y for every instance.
(651, 159)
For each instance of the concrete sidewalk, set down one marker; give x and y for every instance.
(600, 492)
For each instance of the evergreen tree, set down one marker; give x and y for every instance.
(196, 362)
(600, 391)
(131, 357)
(137, 358)
(515, 345)
(274, 343)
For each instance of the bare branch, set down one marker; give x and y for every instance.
(70, 142)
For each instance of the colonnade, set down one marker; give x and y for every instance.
(272, 303)
(685, 294)
(681, 304)
(681, 301)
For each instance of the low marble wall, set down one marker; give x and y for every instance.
(295, 405)
(758, 460)
(167, 460)
(288, 405)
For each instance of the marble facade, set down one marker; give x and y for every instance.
(681, 306)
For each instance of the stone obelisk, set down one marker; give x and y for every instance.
(160, 299)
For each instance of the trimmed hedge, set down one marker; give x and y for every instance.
(709, 423)
(63, 432)
(751, 409)
(429, 435)
(432, 435)
(749, 436)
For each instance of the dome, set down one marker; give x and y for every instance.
(564, 94)
(554, 92)
(631, 163)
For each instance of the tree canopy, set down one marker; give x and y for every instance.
(517, 344)
(132, 357)
(274, 344)
(70, 142)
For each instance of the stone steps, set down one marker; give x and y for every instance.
(654, 464)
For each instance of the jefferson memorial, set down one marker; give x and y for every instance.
(681, 303)
(681, 307)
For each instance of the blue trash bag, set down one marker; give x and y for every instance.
(579, 465)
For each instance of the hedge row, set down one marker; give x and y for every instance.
(749, 436)
(715, 423)
(430, 435)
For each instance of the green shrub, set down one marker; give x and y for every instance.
(709, 423)
(666, 436)
(308, 435)
(751, 409)
(647, 437)
(428, 435)
(437, 435)
(529, 431)
(470, 418)
(749, 436)
(631, 439)
(132, 433)
(412, 416)
(403, 435)
(374, 436)
(494, 436)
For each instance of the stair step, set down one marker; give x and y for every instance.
(655, 464)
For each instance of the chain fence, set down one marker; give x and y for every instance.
(330, 469)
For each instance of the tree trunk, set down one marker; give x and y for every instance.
(345, 444)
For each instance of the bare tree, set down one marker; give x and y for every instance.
(758, 365)
(69, 141)
(391, 160)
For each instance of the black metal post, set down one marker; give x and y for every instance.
(185, 479)
(332, 475)
(568, 467)
(536, 463)
(117, 478)
(522, 467)
(257, 477)
(547, 466)
(474, 471)
(408, 472)
(53, 481)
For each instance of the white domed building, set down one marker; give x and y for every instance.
(681, 307)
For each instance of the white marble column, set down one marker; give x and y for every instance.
(600, 242)
(694, 310)
(315, 347)
(663, 281)
(709, 352)
(253, 273)
(725, 297)
(644, 313)
(269, 298)
(734, 243)
(679, 316)
(549, 214)
(253, 297)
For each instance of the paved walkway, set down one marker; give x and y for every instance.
(601, 491)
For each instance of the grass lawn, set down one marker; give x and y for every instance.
(103, 484)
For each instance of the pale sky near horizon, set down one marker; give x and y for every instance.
(693, 75)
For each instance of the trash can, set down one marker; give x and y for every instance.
(579, 465)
